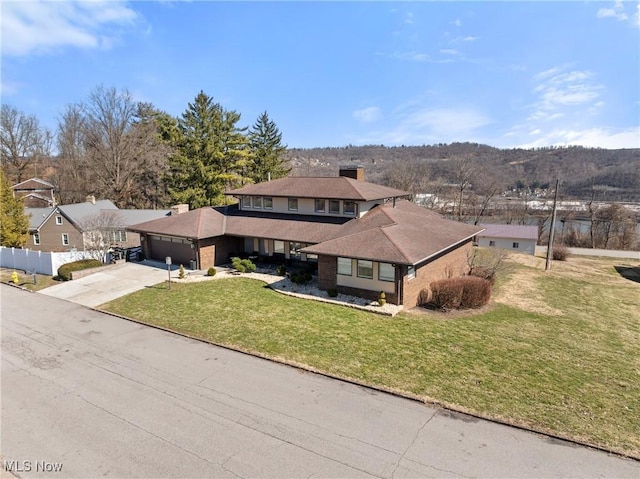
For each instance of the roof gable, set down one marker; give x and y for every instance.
(33, 184)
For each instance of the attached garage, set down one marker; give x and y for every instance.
(181, 250)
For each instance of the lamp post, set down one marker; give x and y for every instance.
(167, 260)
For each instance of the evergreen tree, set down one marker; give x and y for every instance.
(212, 154)
(267, 149)
(14, 224)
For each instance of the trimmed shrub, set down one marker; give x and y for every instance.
(475, 293)
(211, 272)
(484, 272)
(382, 298)
(243, 265)
(446, 294)
(64, 271)
(467, 292)
(332, 292)
(181, 272)
(281, 270)
(300, 277)
(560, 252)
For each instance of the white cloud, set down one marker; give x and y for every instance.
(8, 87)
(557, 90)
(618, 12)
(42, 27)
(450, 51)
(457, 22)
(412, 56)
(368, 115)
(423, 125)
(590, 138)
(408, 18)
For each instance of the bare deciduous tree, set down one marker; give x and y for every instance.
(100, 232)
(23, 143)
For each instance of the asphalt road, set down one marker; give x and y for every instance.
(102, 396)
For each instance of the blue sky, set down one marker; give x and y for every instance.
(506, 74)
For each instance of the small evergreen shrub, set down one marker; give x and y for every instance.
(382, 298)
(64, 271)
(181, 272)
(560, 252)
(332, 292)
(467, 292)
(300, 277)
(281, 270)
(243, 265)
(211, 272)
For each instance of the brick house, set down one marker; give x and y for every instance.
(362, 237)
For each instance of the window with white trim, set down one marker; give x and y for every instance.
(344, 266)
(365, 269)
(293, 204)
(118, 236)
(334, 207)
(246, 201)
(267, 202)
(257, 201)
(320, 205)
(386, 272)
(36, 238)
(65, 239)
(278, 247)
(58, 220)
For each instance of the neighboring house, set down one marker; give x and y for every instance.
(37, 193)
(517, 238)
(362, 237)
(75, 227)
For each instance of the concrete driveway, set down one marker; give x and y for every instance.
(107, 285)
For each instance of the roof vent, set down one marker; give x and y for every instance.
(91, 199)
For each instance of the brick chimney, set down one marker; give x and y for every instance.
(354, 172)
(178, 209)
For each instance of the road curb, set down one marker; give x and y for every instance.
(400, 394)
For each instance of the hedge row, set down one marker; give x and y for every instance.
(466, 292)
(64, 271)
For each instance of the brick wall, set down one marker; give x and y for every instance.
(327, 271)
(450, 264)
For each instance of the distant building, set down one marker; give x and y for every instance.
(37, 193)
(517, 238)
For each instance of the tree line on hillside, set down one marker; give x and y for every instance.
(614, 174)
(139, 156)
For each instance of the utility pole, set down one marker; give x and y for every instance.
(552, 228)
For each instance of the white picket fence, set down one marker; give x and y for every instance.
(41, 262)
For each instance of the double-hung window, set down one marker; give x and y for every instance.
(257, 201)
(65, 239)
(320, 205)
(36, 238)
(293, 204)
(246, 201)
(350, 208)
(334, 207)
(267, 202)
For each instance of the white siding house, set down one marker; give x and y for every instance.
(517, 238)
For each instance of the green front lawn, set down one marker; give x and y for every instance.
(572, 369)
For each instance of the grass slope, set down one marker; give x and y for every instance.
(558, 351)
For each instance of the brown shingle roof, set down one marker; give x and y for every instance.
(209, 222)
(196, 224)
(406, 234)
(323, 187)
